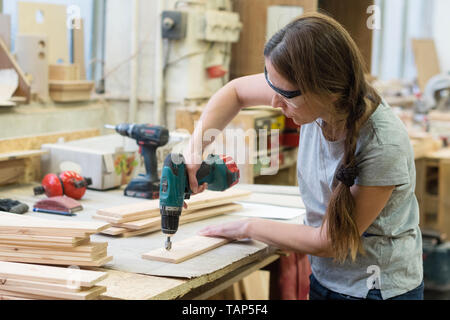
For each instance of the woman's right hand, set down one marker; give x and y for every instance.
(192, 165)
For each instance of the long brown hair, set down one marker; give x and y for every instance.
(316, 53)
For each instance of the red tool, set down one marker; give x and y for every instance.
(67, 183)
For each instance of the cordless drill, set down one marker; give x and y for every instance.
(219, 172)
(149, 138)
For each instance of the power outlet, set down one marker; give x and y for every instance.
(173, 24)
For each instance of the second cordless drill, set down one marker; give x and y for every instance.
(149, 138)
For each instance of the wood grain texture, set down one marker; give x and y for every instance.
(186, 249)
(89, 294)
(78, 49)
(151, 207)
(47, 274)
(58, 261)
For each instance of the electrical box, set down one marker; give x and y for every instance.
(218, 26)
(173, 24)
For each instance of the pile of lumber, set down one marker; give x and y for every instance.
(20, 281)
(30, 239)
(144, 217)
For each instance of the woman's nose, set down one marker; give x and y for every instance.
(277, 102)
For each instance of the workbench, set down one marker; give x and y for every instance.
(231, 265)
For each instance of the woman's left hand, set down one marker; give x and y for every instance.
(231, 230)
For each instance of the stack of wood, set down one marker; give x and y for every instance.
(144, 217)
(66, 84)
(19, 281)
(35, 240)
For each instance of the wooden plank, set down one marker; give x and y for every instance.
(64, 72)
(94, 263)
(55, 275)
(32, 57)
(186, 249)
(11, 171)
(198, 201)
(114, 231)
(135, 228)
(68, 287)
(427, 61)
(30, 225)
(73, 241)
(48, 256)
(7, 61)
(88, 251)
(52, 24)
(5, 30)
(78, 49)
(90, 294)
(26, 296)
(114, 220)
(34, 142)
(21, 154)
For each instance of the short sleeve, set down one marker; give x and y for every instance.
(383, 165)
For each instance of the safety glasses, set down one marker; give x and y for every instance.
(284, 93)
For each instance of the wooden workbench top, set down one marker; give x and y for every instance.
(131, 277)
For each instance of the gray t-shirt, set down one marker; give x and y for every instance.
(393, 242)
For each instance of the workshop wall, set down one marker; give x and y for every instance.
(441, 26)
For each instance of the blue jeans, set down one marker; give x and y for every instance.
(319, 292)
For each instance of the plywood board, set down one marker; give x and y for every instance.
(32, 57)
(427, 61)
(64, 72)
(186, 249)
(47, 19)
(7, 61)
(5, 29)
(55, 275)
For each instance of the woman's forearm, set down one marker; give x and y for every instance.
(291, 237)
(220, 110)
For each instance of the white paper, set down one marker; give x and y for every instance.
(269, 212)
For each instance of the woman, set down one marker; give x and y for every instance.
(355, 165)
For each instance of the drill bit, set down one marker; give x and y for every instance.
(168, 244)
(109, 126)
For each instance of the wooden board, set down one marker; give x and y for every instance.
(89, 294)
(5, 30)
(34, 142)
(198, 201)
(65, 72)
(11, 171)
(53, 25)
(427, 61)
(58, 261)
(40, 285)
(25, 224)
(32, 57)
(21, 154)
(47, 274)
(154, 224)
(7, 61)
(78, 49)
(186, 249)
(72, 241)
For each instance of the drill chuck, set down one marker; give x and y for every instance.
(170, 219)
